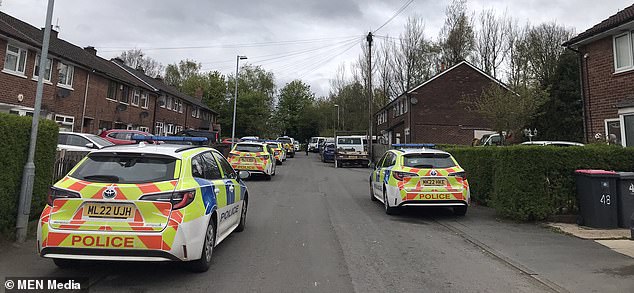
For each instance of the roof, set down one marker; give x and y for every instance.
(30, 35)
(620, 18)
(155, 149)
(420, 151)
(159, 85)
(462, 63)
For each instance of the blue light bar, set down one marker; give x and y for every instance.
(168, 138)
(414, 145)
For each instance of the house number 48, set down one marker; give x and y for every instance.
(605, 199)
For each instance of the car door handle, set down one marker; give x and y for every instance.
(217, 190)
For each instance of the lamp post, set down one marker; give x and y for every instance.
(235, 101)
(28, 175)
(337, 106)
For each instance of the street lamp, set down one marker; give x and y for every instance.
(235, 100)
(337, 106)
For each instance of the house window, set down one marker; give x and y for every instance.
(158, 128)
(112, 91)
(144, 100)
(136, 97)
(15, 59)
(66, 75)
(405, 105)
(194, 110)
(125, 95)
(161, 101)
(48, 70)
(613, 131)
(169, 103)
(144, 129)
(65, 123)
(178, 129)
(169, 129)
(623, 59)
(178, 106)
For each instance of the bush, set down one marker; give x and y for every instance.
(533, 182)
(15, 132)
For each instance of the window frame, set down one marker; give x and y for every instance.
(64, 121)
(630, 51)
(162, 101)
(136, 97)
(145, 97)
(36, 70)
(18, 55)
(64, 83)
(112, 85)
(168, 103)
(159, 125)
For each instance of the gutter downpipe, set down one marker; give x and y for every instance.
(83, 113)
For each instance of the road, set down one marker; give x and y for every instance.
(313, 228)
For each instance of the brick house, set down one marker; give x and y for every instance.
(174, 110)
(433, 112)
(82, 91)
(607, 77)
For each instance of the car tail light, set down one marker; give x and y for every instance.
(54, 193)
(277, 153)
(401, 175)
(178, 199)
(265, 157)
(462, 175)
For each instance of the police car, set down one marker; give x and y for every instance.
(144, 202)
(418, 175)
(278, 151)
(254, 157)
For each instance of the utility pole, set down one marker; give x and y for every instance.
(28, 175)
(370, 94)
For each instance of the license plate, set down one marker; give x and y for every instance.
(251, 160)
(434, 182)
(109, 210)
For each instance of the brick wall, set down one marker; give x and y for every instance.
(602, 88)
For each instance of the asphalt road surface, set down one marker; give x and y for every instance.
(313, 228)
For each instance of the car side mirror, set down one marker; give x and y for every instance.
(90, 145)
(244, 174)
(373, 165)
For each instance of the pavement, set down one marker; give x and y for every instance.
(313, 228)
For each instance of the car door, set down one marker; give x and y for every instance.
(384, 172)
(236, 187)
(225, 194)
(376, 174)
(76, 143)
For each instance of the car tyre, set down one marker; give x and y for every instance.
(460, 211)
(243, 216)
(267, 177)
(372, 197)
(63, 263)
(388, 209)
(202, 265)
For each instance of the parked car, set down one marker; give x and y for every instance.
(134, 203)
(83, 142)
(228, 140)
(419, 177)
(289, 146)
(314, 143)
(212, 136)
(254, 157)
(122, 136)
(351, 150)
(552, 143)
(296, 145)
(328, 154)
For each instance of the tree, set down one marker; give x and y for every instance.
(507, 110)
(256, 90)
(456, 35)
(176, 74)
(491, 41)
(544, 49)
(135, 58)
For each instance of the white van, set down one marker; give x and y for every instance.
(313, 144)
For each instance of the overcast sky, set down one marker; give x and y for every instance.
(293, 39)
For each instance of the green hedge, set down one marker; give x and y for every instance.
(15, 132)
(532, 182)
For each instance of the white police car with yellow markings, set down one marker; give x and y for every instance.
(144, 202)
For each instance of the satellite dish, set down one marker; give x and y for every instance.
(413, 100)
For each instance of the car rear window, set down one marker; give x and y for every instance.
(126, 168)
(99, 140)
(439, 161)
(249, 148)
(349, 140)
(284, 140)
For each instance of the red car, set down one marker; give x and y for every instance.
(121, 136)
(228, 140)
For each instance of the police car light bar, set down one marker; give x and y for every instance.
(414, 145)
(168, 138)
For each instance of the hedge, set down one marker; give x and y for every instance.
(15, 132)
(533, 182)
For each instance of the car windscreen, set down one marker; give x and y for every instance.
(284, 140)
(313, 140)
(249, 148)
(349, 140)
(126, 168)
(99, 140)
(439, 161)
(273, 145)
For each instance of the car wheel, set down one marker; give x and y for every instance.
(202, 265)
(267, 177)
(460, 211)
(65, 263)
(243, 216)
(388, 209)
(372, 197)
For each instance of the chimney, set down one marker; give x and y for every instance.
(91, 50)
(442, 66)
(199, 94)
(159, 78)
(139, 68)
(117, 60)
(54, 33)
